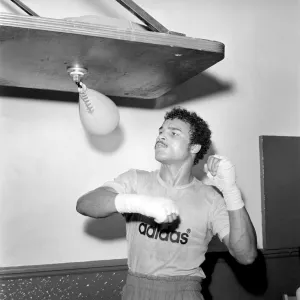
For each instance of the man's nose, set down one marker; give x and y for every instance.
(161, 137)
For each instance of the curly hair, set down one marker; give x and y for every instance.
(199, 133)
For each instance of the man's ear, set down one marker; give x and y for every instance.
(195, 148)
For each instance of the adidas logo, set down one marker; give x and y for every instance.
(154, 233)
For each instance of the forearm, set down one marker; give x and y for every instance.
(104, 202)
(241, 240)
(99, 203)
(242, 236)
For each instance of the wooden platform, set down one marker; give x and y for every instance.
(125, 62)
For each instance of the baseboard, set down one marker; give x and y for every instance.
(62, 269)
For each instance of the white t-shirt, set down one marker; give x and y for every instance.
(159, 250)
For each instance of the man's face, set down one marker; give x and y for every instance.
(172, 143)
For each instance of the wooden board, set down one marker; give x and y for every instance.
(280, 177)
(35, 53)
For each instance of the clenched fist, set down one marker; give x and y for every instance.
(220, 172)
(163, 210)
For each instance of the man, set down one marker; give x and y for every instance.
(171, 216)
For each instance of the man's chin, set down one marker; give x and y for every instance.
(160, 159)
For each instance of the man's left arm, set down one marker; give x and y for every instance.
(241, 240)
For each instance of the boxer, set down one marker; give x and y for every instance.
(171, 216)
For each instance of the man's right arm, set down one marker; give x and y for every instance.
(99, 203)
(105, 201)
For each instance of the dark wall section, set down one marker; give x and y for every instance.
(280, 180)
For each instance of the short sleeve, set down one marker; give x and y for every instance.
(219, 218)
(125, 183)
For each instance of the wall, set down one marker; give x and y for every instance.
(47, 161)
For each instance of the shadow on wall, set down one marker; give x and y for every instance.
(13, 9)
(253, 278)
(110, 228)
(37, 94)
(200, 86)
(106, 143)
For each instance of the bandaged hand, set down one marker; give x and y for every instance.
(161, 209)
(221, 174)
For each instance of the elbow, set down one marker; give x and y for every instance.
(80, 206)
(246, 261)
(96, 204)
(87, 207)
(248, 258)
(252, 257)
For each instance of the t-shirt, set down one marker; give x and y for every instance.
(171, 249)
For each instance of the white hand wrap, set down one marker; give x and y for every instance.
(155, 207)
(233, 198)
(225, 182)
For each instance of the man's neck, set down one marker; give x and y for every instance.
(176, 175)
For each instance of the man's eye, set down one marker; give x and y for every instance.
(174, 133)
